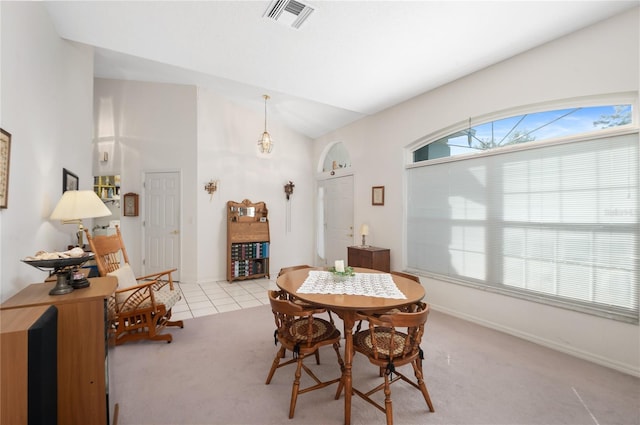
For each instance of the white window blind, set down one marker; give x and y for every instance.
(556, 222)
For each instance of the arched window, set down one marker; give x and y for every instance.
(337, 157)
(555, 221)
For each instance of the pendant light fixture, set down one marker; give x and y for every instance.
(265, 144)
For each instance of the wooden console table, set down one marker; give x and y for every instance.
(369, 257)
(83, 388)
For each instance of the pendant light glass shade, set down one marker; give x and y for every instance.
(265, 144)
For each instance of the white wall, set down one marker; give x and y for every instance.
(152, 126)
(598, 60)
(149, 127)
(228, 151)
(45, 92)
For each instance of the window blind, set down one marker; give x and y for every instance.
(556, 222)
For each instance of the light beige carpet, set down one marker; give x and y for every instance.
(214, 371)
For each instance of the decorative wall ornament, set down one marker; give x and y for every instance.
(288, 189)
(211, 187)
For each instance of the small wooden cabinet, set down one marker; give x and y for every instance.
(369, 257)
(247, 240)
(83, 341)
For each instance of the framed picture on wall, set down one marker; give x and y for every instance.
(69, 180)
(130, 205)
(377, 195)
(5, 152)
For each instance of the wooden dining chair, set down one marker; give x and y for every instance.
(393, 340)
(301, 302)
(141, 306)
(288, 269)
(302, 333)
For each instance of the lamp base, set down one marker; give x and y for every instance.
(62, 284)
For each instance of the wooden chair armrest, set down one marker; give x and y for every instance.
(373, 317)
(136, 296)
(160, 283)
(136, 287)
(155, 276)
(306, 311)
(158, 274)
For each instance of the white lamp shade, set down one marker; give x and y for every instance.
(79, 204)
(364, 229)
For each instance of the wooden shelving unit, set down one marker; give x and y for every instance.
(248, 244)
(106, 187)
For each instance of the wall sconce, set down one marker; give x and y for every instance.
(288, 189)
(211, 187)
(364, 231)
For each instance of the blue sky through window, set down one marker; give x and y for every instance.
(528, 127)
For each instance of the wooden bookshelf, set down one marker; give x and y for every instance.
(248, 244)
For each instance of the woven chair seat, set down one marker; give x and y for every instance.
(362, 342)
(166, 297)
(322, 329)
(142, 300)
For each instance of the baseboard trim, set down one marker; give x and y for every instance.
(581, 354)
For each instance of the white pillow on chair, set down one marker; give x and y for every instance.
(126, 279)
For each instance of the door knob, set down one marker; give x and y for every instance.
(175, 232)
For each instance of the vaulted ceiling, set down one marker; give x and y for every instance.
(348, 59)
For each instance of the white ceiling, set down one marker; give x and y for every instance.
(348, 60)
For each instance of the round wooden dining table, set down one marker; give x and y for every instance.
(346, 306)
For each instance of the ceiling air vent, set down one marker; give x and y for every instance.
(291, 13)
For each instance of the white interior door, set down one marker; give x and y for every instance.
(338, 218)
(162, 222)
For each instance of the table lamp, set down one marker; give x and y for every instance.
(76, 205)
(364, 231)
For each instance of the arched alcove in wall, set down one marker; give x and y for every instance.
(336, 157)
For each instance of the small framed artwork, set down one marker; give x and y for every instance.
(69, 180)
(5, 152)
(377, 195)
(130, 205)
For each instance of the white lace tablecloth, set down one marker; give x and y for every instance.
(370, 284)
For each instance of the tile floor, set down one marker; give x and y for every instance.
(201, 299)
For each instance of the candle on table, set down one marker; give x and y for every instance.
(339, 266)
